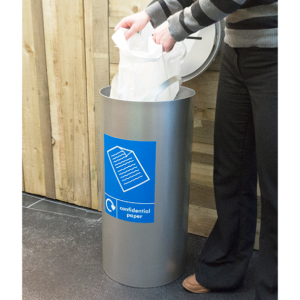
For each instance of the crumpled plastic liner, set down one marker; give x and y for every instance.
(143, 67)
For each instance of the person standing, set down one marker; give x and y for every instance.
(245, 136)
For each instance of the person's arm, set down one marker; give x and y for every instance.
(200, 14)
(160, 11)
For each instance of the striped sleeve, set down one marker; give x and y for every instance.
(249, 23)
(200, 14)
(161, 10)
(187, 16)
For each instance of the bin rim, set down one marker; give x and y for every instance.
(182, 88)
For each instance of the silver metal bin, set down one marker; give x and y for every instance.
(146, 166)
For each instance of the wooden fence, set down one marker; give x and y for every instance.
(68, 55)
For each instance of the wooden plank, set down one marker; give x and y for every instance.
(204, 132)
(122, 9)
(32, 150)
(113, 21)
(202, 220)
(203, 158)
(203, 153)
(43, 95)
(65, 53)
(89, 56)
(201, 195)
(202, 174)
(205, 86)
(101, 73)
(203, 148)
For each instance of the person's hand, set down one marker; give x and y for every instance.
(163, 37)
(134, 23)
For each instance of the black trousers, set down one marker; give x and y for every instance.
(245, 143)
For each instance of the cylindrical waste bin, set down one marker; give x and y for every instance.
(145, 168)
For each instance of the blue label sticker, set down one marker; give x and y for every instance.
(129, 179)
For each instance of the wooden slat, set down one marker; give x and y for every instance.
(32, 152)
(101, 73)
(202, 220)
(202, 174)
(204, 132)
(113, 21)
(89, 55)
(201, 195)
(65, 52)
(203, 148)
(43, 95)
(203, 153)
(121, 9)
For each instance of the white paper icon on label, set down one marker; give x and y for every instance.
(127, 168)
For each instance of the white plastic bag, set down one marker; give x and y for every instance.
(143, 67)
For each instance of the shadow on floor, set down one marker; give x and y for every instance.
(62, 259)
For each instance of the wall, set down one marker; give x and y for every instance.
(65, 50)
(68, 55)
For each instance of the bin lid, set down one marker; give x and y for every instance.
(202, 48)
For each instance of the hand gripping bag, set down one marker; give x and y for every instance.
(143, 67)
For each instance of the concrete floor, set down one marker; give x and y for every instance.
(62, 259)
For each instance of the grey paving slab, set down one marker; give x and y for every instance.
(62, 259)
(28, 199)
(58, 208)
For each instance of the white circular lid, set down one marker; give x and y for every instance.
(202, 47)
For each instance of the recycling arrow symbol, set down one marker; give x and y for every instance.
(112, 206)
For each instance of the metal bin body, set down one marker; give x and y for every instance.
(150, 254)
